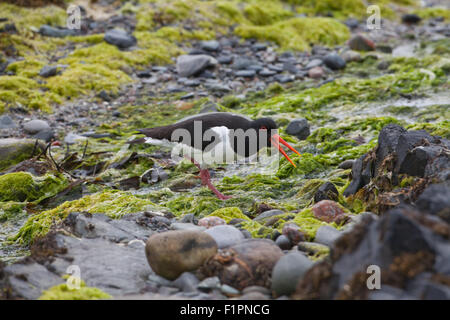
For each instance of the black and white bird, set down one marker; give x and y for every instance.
(217, 137)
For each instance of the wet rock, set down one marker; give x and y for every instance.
(35, 126)
(210, 45)
(347, 164)
(191, 65)
(267, 214)
(209, 284)
(225, 235)
(13, 151)
(361, 43)
(209, 222)
(173, 252)
(49, 31)
(189, 218)
(267, 73)
(27, 281)
(6, 122)
(229, 291)
(316, 73)
(334, 61)
(48, 71)
(411, 18)
(435, 199)
(314, 63)
(328, 211)
(283, 242)
(154, 175)
(360, 175)
(327, 235)
(120, 38)
(187, 282)
(293, 233)
(288, 271)
(299, 128)
(383, 65)
(326, 191)
(405, 244)
(245, 73)
(225, 59)
(247, 263)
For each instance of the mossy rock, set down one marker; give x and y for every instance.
(13, 151)
(22, 186)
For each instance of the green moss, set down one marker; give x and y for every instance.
(229, 213)
(308, 224)
(16, 90)
(441, 129)
(63, 292)
(21, 186)
(11, 210)
(433, 12)
(266, 13)
(113, 203)
(298, 33)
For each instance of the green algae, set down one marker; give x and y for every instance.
(63, 292)
(113, 203)
(229, 213)
(433, 12)
(11, 210)
(22, 186)
(441, 129)
(298, 33)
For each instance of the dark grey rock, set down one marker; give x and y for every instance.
(6, 122)
(245, 73)
(347, 164)
(267, 214)
(299, 128)
(326, 191)
(267, 73)
(210, 45)
(411, 18)
(49, 31)
(209, 284)
(187, 282)
(288, 271)
(334, 61)
(154, 175)
(48, 71)
(225, 59)
(120, 38)
(283, 242)
(314, 63)
(435, 199)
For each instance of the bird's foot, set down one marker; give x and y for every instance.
(206, 180)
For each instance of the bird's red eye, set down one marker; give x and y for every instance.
(263, 128)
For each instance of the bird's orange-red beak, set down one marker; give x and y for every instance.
(276, 139)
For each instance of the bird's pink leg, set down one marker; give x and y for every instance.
(206, 180)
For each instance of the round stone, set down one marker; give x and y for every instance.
(328, 211)
(288, 271)
(293, 233)
(225, 235)
(34, 126)
(171, 253)
(316, 73)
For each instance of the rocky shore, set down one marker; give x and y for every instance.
(367, 109)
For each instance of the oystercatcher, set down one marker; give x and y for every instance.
(217, 137)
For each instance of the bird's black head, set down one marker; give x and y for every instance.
(264, 124)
